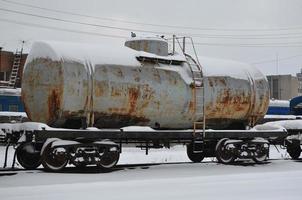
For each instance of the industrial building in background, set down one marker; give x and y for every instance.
(11, 68)
(299, 77)
(283, 87)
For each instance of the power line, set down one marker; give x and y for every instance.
(279, 59)
(146, 24)
(225, 36)
(74, 22)
(61, 29)
(124, 37)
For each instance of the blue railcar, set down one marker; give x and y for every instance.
(279, 107)
(296, 105)
(10, 100)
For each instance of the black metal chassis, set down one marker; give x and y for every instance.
(148, 139)
(169, 136)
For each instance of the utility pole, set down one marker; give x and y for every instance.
(23, 42)
(277, 63)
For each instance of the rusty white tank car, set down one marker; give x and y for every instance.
(139, 83)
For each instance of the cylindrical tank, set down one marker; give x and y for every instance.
(116, 86)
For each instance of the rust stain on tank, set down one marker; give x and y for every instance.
(54, 103)
(117, 72)
(137, 78)
(99, 90)
(133, 94)
(115, 92)
(156, 76)
(146, 46)
(117, 110)
(222, 81)
(229, 104)
(116, 120)
(191, 107)
(120, 73)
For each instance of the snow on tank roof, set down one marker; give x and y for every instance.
(10, 91)
(118, 54)
(102, 53)
(223, 67)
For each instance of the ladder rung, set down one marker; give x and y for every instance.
(197, 151)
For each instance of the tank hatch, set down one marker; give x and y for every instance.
(154, 45)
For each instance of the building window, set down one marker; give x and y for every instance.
(1, 109)
(4, 76)
(13, 108)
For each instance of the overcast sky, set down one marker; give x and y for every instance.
(252, 31)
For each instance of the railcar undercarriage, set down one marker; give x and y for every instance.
(55, 149)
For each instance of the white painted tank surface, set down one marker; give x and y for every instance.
(116, 86)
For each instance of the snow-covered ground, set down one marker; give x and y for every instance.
(164, 174)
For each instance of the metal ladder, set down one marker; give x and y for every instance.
(16, 65)
(198, 91)
(198, 95)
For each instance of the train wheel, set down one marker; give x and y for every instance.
(224, 153)
(54, 159)
(294, 150)
(261, 153)
(109, 158)
(27, 156)
(194, 157)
